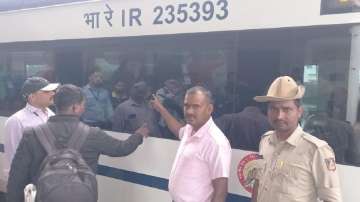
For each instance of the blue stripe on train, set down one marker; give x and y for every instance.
(145, 180)
(150, 181)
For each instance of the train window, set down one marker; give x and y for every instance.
(235, 66)
(325, 77)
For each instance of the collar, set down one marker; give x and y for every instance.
(133, 103)
(33, 109)
(202, 130)
(295, 136)
(293, 139)
(93, 88)
(273, 139)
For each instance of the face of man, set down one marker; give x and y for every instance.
(120, 87)
(140, 92)
(173, 87)
(284, 117)
(197, 109)
(42, 99)
(96, 79)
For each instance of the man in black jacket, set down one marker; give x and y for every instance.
(69, 101)
(244, 129)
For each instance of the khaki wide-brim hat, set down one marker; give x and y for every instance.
(284, 88)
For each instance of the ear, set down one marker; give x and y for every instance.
(78, 109)
(301, 111)
(30, 98)
(210, 108)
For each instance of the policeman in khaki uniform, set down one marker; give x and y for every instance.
(298, 167)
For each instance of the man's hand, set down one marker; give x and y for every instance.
(143, 130)
(156, 104)
(171, 122)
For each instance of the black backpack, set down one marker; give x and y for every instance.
(64, 175)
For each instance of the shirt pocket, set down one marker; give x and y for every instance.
(288, 177)
(90, 102)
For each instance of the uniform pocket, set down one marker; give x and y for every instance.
(288, 178)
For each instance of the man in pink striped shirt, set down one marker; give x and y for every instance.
(202, 164)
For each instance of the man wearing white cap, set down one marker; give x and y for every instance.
(38, 93)
(298, 167)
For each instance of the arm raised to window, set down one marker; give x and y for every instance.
(171, 122)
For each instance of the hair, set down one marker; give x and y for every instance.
(203, 90)
(66, 96)
(93, 71)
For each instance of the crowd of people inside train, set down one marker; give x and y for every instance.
(126, 107)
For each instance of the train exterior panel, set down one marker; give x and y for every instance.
(99, 19)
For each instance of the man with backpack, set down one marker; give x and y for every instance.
(50, 157)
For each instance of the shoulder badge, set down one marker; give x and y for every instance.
(330, 164)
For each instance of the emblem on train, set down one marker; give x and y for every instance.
(247, 169)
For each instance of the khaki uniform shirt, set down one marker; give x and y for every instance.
(299, 169)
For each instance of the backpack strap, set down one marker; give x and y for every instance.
(46, 138)
(79, 136)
